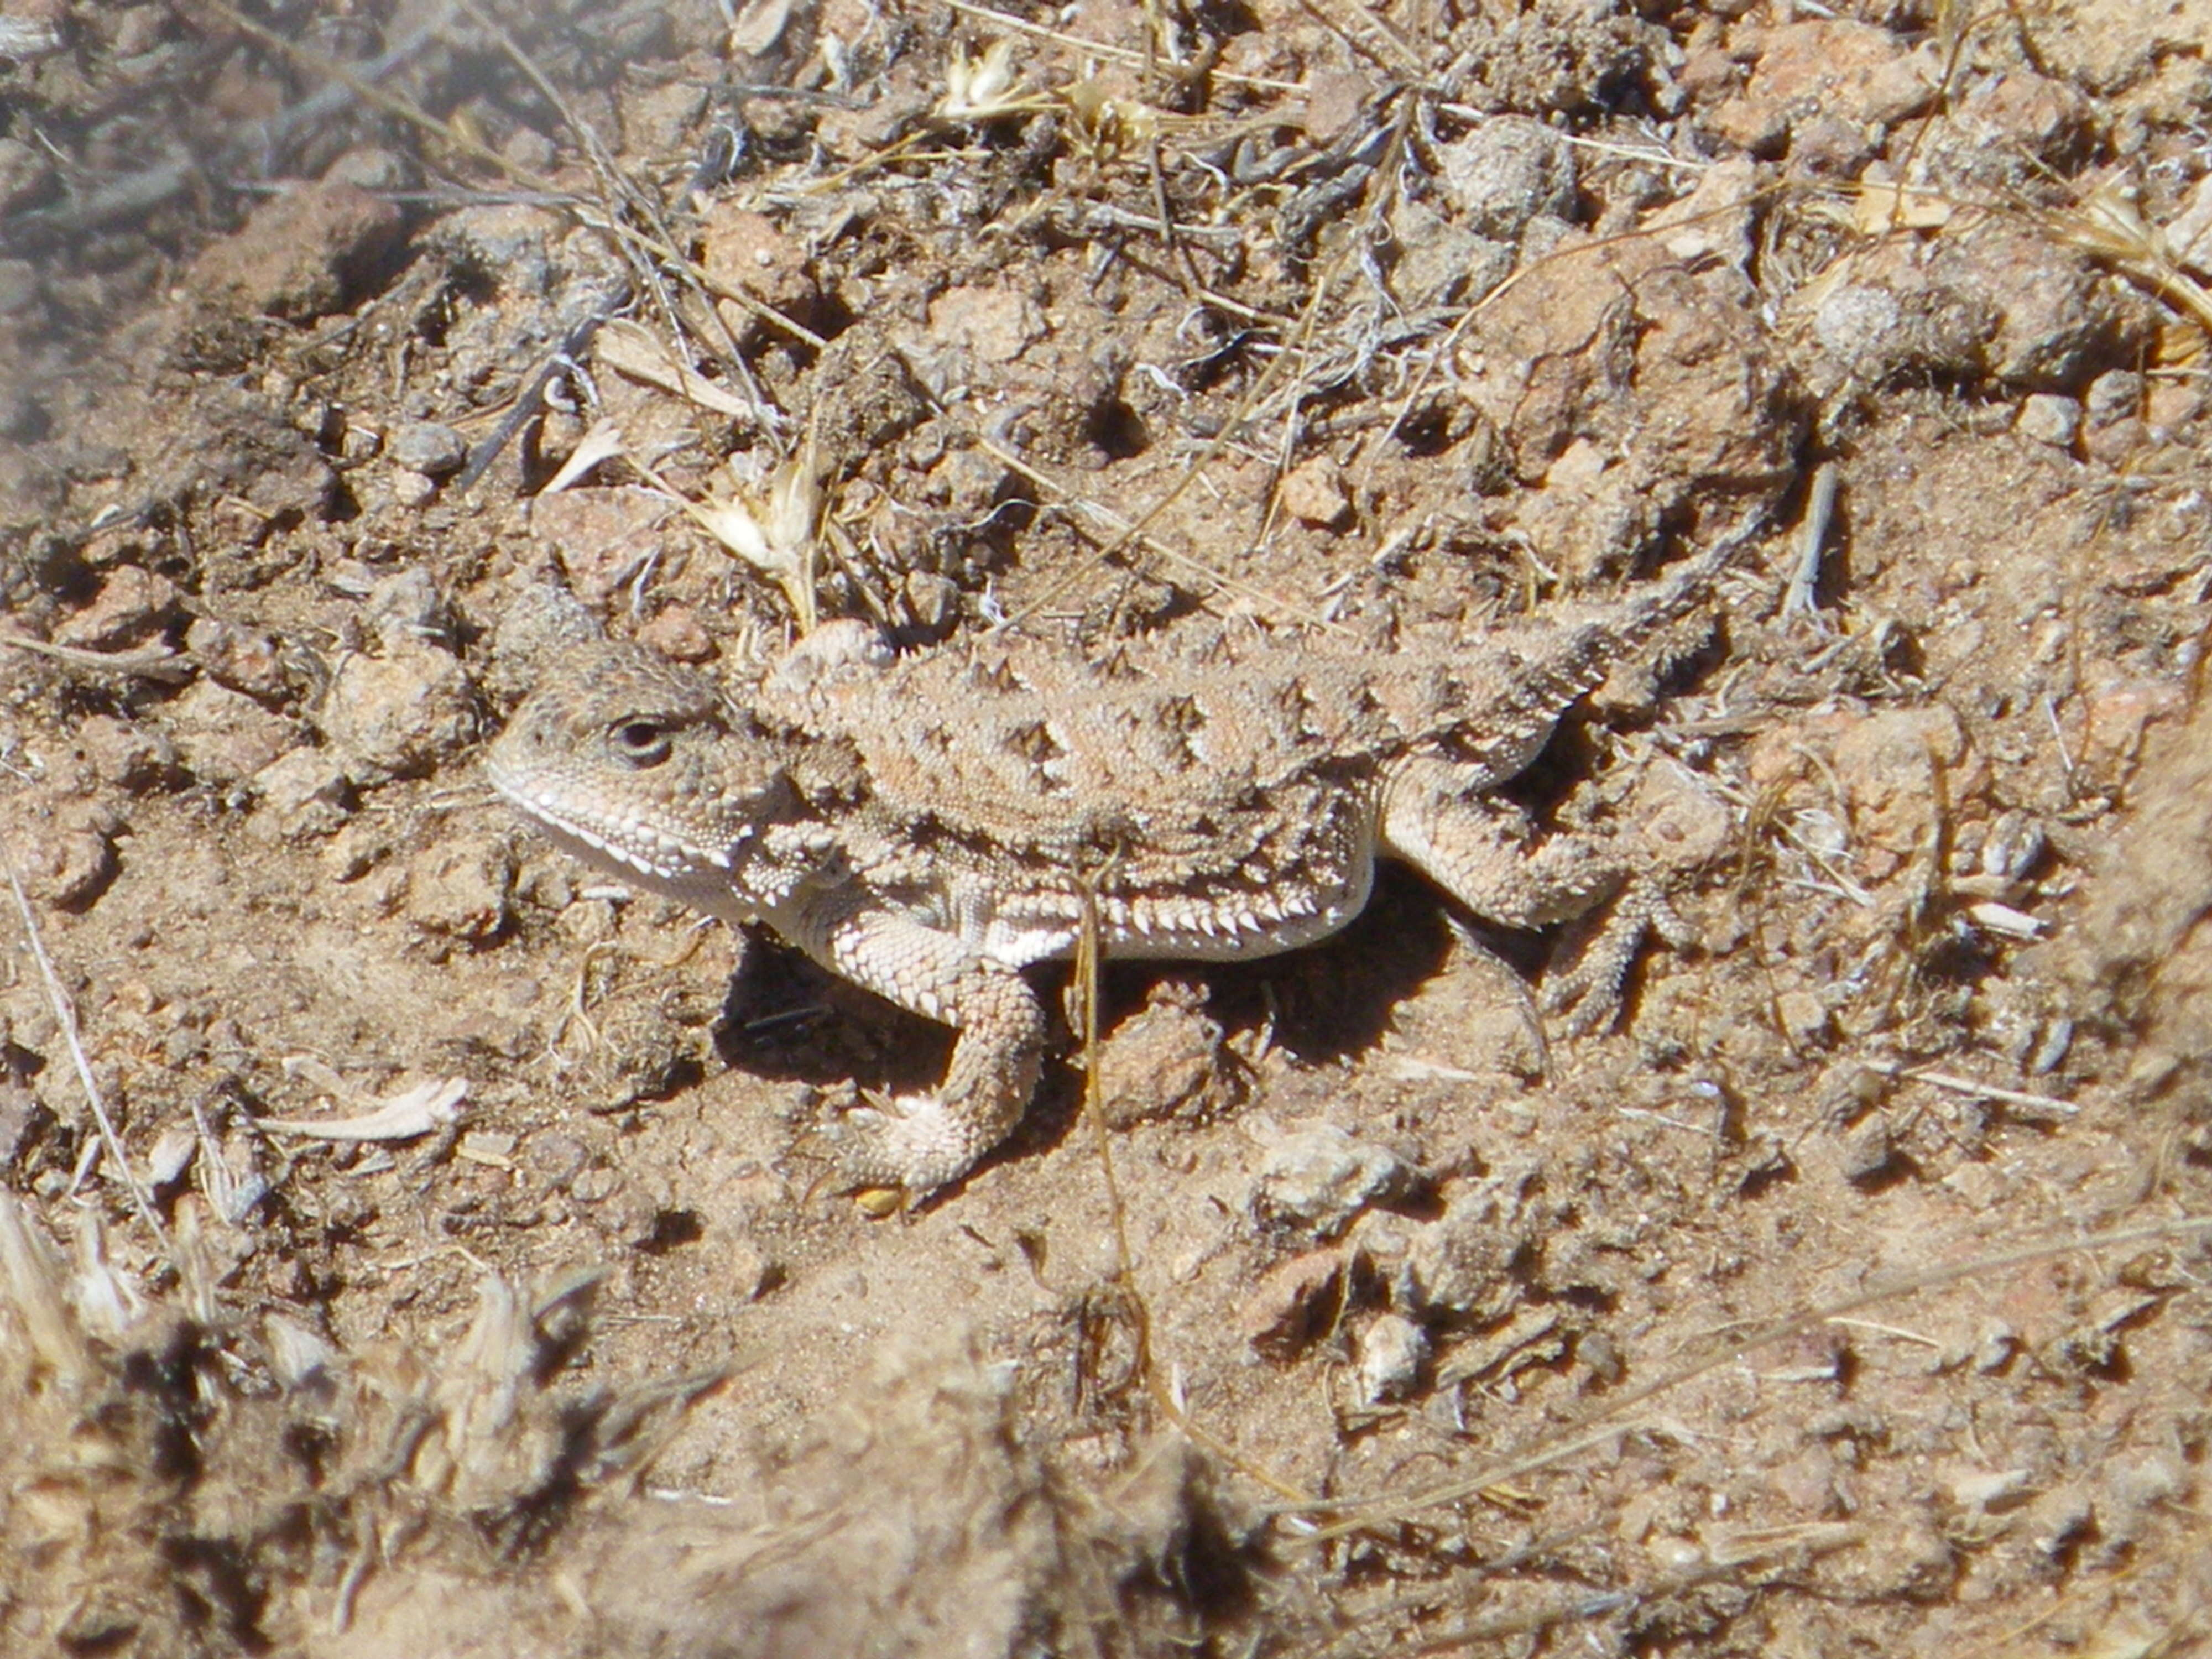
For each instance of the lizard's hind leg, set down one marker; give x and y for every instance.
(1487, 854)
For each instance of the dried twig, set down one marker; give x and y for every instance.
(153, 662)
(1100, 49)
(2110, 225)
(418, 1111)
(1798, 597)
(2042, 1109)
(1090, 960)
(65, 1018)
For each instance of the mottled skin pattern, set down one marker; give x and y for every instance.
(927, 826)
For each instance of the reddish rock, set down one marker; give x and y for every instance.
(1293, 1302)
(133, 606)
(400, 713)
(1313, 493)
(1707, 404)
(460, 888)
(1829, 67)
(224, 737)
(243, 659)
(992, 324)
(65, 849)
(750, 252)
(677, 632)
(602, 537)
(302, 254)
(1166, 1061)
(1887, 765)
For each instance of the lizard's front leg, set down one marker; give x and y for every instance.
(921, 1142)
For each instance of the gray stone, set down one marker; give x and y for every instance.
(1320, 1179)
(2049, 419)
(2114, 396)
(1392, 1352)
(429, 448)
(1506, 172)
(399, 714)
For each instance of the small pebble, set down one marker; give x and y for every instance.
(429, 448)
(1392, 1352)
(1314, 494)
(2114, 396)
(399, 714)
(1319, 1179)
(2049, 419)
(677, 632)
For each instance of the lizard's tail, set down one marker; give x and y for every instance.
(1577, 647)
(1684, 591)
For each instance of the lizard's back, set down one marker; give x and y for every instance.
(1020, 742)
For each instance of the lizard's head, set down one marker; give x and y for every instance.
(642, 768)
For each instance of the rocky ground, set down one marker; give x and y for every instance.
(459, 1272)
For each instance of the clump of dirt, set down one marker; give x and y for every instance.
(177, 1485)
(2138, 957)
(1847, 1290)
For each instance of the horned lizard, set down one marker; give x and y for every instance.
(928, 825)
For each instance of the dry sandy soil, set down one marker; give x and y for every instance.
(1848, 1294)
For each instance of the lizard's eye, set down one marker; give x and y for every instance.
(640, 742)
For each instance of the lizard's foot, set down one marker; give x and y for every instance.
(1583, 992)
(913, 1142)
